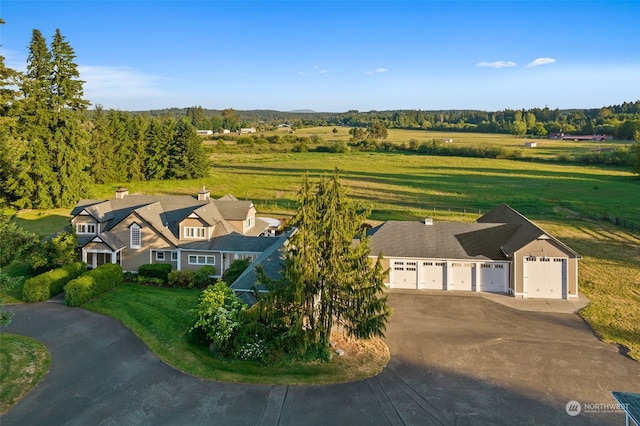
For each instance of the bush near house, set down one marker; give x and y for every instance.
(235, 270)
(156, 271)
(48, 284)
(92, 284)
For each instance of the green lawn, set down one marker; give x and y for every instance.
(161, 318)
(23, 363)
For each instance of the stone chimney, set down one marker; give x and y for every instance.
(121, 193)
(204, 194)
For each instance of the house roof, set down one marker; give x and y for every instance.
(494, 236)
(630, 403)
(165, 213)
(441, 240)
(272, 262)
(527, 231)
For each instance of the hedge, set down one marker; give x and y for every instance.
(46, 285)
(92, 284)
(155, 270)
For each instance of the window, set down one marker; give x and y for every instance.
(201, 260)
(160, 256)
(85, 228)
(174, 256)
(193, 232)
(249, 221)
(135, 236)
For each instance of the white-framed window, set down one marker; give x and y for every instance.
(174, 256)
(160, 256)
(197, 259)
(194, 232)
(85, 228)
(135, 236)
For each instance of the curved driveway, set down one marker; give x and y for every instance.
(455, 359)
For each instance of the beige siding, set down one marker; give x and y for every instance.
(186, 266)
(133, 258)
(85, 220)
(194, 223)
(548, 248)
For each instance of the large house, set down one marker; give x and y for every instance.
(501, 252)
(183, 231)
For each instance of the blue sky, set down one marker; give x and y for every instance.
(341, 55)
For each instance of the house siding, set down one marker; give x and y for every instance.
(132, 259)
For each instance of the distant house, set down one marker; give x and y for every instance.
(185, 232)
(502, 252)
(530, 144)
(247, 130)
(205, 132)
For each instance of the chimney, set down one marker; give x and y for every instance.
(203, 195)
(428, 220)
(121, 193)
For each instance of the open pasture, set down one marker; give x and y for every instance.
(401, 186)
(547, 149)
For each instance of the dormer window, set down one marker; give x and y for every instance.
(194, 232)
(85, 228)
(135, 236)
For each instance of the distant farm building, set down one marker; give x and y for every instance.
(530, 144)
(205, 132)
(247, 130)
(564, 137)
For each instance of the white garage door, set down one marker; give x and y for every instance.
(432, 275)
(493, 277)
(404, 274)
(461, 276)
(545, 277)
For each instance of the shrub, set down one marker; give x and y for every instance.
(217, 316)
(92, 284)
(205, 276)
(181, 279)
(46, 285)
(235, 270)
(155, 270)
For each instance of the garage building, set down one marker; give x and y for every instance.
(502, 252)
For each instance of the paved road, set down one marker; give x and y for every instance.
(456, 359)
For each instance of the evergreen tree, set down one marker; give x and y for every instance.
(188, 158)
(48, 140)
(156, 137)
(326, 277)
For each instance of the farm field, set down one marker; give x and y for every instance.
(547, 149)
(402, 186)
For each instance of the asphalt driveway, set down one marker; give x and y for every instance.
(455, 359)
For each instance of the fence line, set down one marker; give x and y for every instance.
(626, 224)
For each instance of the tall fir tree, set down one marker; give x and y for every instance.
(156, 137)
(49, 134)
(188, 158)
(327, 278)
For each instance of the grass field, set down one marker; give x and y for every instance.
(410, 186)
(23, 363)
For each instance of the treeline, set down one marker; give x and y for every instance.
(52, 148)
(620, 121)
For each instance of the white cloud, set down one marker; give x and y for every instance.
(121, 82)
(541, 61)
(496, 64)
(376, 71)
(316, 70)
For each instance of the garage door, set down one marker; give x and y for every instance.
(461, 276)
(493, 277)
(432, 275)
(545, 277)
(404, 274)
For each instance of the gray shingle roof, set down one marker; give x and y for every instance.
(441, 240)
(630, 403)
